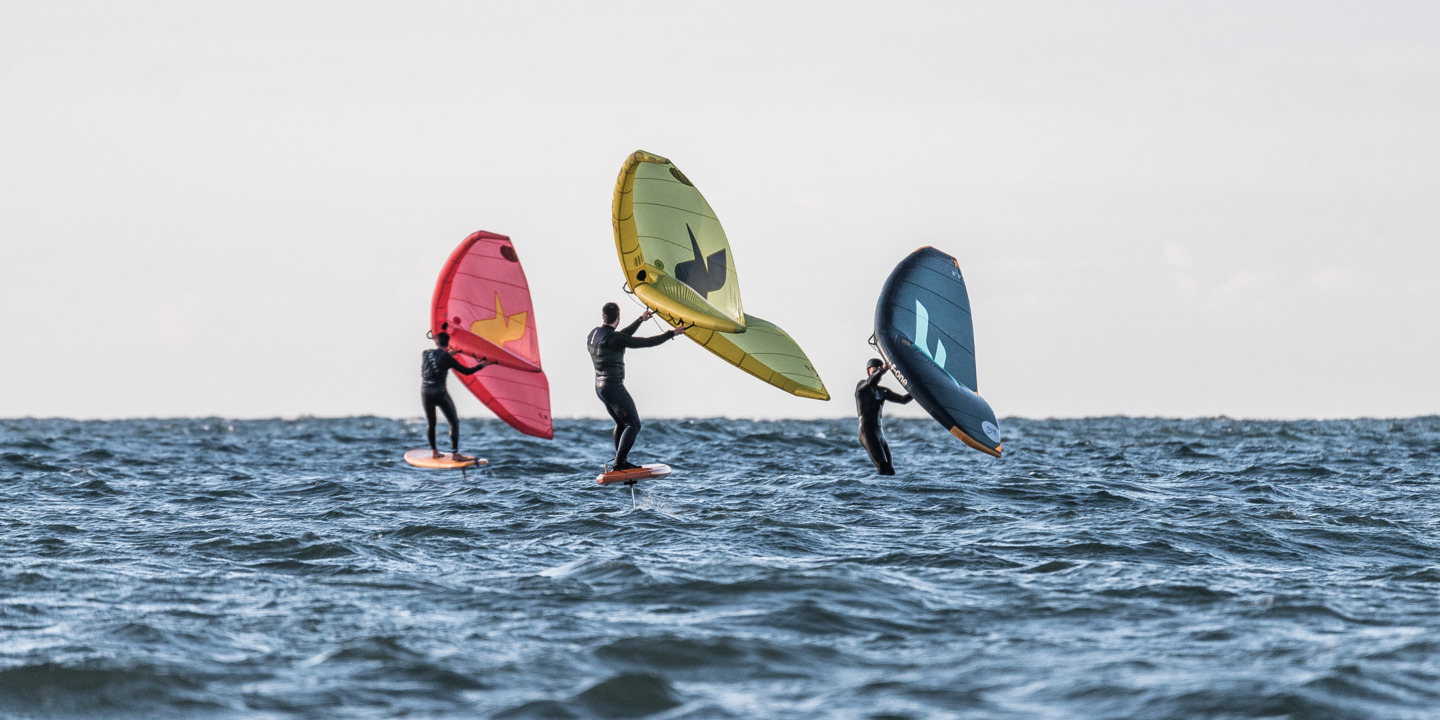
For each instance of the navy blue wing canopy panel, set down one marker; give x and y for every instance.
(925, 300)
(924, 329)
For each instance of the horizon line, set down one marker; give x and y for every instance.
(579, 418)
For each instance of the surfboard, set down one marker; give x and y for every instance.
(424, 457)
(644, 472)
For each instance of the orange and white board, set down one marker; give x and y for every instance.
(644, 472)
(425, 458)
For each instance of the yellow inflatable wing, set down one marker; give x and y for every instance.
(678, 261)
(671, 245)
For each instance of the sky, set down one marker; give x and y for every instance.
(1173, 209)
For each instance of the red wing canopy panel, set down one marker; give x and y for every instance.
(483, 301)
(483, 296)
(521, 399)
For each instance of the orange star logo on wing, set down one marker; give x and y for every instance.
(502, 328)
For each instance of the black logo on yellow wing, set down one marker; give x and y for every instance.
(703, 275)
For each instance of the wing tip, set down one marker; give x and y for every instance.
(805, 392)
(973, 443)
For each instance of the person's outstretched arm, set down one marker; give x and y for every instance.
(874, 379)
(458, 367)
(630, 329)
(634, 342)
(892, 396)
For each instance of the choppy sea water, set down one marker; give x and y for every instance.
(1104, 568)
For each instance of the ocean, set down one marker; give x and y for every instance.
(1104, 568)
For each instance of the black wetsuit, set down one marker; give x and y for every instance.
(435, 365)
(607, 351)
(870, 397)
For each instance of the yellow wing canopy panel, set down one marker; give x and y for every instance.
(678, 261)
(671, 245)
(768, 353)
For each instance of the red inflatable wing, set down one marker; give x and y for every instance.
(483, 302)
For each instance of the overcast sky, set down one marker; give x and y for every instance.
(1178, 209)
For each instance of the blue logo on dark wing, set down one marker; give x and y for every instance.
(922, 333)
(702, 277)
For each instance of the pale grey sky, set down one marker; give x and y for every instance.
(1186, 209)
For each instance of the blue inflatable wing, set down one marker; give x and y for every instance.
(924, 330)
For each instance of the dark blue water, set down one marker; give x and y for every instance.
(1103, 568)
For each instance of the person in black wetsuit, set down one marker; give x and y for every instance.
(435, 366)
(870, 397)
(607, 351)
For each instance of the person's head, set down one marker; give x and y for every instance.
(442, 340)
(610, 313)
(873, 366)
